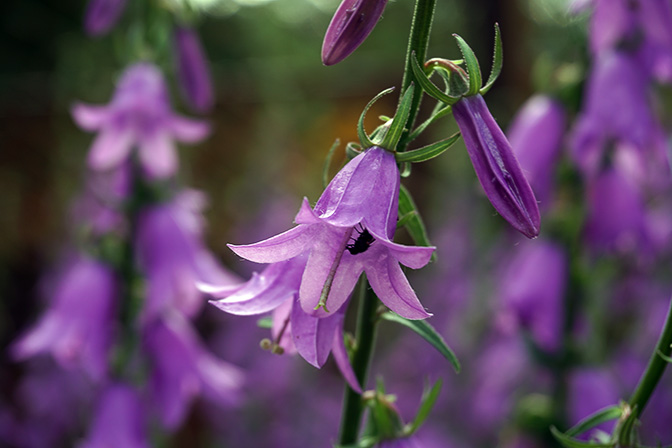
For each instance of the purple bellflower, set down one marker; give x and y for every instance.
(349, 232)
(351, 25)
(102, 15)
(496, 167)
(172, 255)
(536, 138)
(183, 369)
(119, 420)
(533, 291)
(139, 114)
(277, 288)
(77, 328)
(192, 69)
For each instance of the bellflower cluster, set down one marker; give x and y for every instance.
(138, 115)
(349, 27)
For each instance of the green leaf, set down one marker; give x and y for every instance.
(396, 128)
(327, 163)
(428, 333)
(427, 401)
(427, 152)
(429, 87)
(414, 225)
(497, 61)
(265, 322)
(570, 442)
(597, 418)
(473, 70)
(361, 133)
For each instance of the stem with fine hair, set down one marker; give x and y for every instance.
(418, 41)
(654, 370)
(365, 336)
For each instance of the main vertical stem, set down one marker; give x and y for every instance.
(366, 334)
(655, 368)
(418, 41)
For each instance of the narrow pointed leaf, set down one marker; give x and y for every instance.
(327, 163)
(398, 124)
(429, 87)
(473, 70)
(597, 418)
(497, 61)
(428, 333)
(352, 150)
(570, 442)
(415, 226)
(361, 133)
(420, 129)
(427, 152)
(429, 397)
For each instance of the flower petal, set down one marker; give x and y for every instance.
(158, 155)
(110, 148)
(313, 336)
(306, 214)
(343, 361)
(414, 257)
(392, 288)
(382, 206)
(187, 130)
(280, 247)
(89, 118)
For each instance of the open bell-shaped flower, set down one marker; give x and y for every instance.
(351, 25)
(349, 232)
(138, 115)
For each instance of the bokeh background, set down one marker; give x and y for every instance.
(278, 111)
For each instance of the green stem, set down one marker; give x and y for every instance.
(366, 334)
(655, 368)
(418, 41)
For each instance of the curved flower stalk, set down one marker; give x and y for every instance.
(119, 420)
(171, 253)
(192, 69)
(496, 167)
(349, 232)
(351, 25)
(77, 328)
(138, 115)
(102, 15)
(182, 369)
(276, 289)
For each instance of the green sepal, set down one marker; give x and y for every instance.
(352, 150)
(570, 442)
(429, 396)
(427, 152)
(412, 221)
(265, 322)
(497, 61)
(361, 133)
(597, 418)
(327, 163)
(626, 432)
(405, 169)
(428, 333)
(473, 70)
(429, 87)
(420, 129)
(397, 126)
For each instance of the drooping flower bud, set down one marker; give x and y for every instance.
(496, 167)
(192, 70)
(352, 23)
(102, 15)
